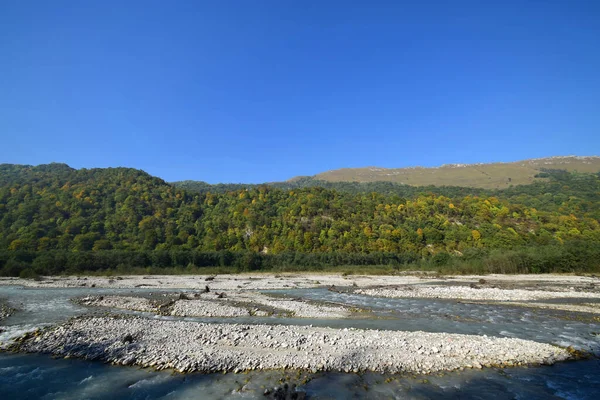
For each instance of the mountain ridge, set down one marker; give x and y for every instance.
(494, 175)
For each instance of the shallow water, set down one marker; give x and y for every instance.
(41, 376)
(562, 328)
(41, 307)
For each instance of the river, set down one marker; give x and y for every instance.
(38, 376)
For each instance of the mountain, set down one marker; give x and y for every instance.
(489, 176)
(56, 219)
(448, 180)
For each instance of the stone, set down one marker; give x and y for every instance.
(128, 338)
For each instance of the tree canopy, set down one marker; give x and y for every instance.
(55, 208)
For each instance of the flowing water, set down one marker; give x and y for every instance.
(24, 376)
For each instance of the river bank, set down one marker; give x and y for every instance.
(265, 281)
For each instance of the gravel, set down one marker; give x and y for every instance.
(122, 302)
(469, 293)
(189, 346)
(297, 308)
(203, 308)
(181, 307)
(211, 305)
(257, 281)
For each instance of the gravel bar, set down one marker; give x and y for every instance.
(258, 281)
(122, 302)
(234, 304)
(203, 308)
(297, 308)
(469, 293)
(189, 346)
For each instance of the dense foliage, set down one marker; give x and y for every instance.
(559, 187)
(54, 218)
(387, 188)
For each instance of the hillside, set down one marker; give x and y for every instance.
(57, 219)
(474, 179)
(54, 206)
(488, 176)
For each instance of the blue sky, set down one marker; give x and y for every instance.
(255, 91)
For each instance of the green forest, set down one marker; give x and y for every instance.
(58, 220)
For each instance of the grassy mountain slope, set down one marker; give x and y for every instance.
(488, 176)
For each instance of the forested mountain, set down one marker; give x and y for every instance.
(56, 207)
(54, 218)
(554, 188)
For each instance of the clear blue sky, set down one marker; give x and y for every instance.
(255, 91)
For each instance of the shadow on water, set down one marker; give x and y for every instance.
(26, 376)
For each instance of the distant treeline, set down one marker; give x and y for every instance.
(55, 219)
(385, 188)
(576, 256)
(559, 183)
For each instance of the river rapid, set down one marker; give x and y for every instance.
(25, 376)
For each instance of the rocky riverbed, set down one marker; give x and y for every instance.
(261, 281)
(203, 308)
(474, 292)
(189, 346)
(292, 307)
(582, 293)
(218, 304)
(122, 302)
(169, 342)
